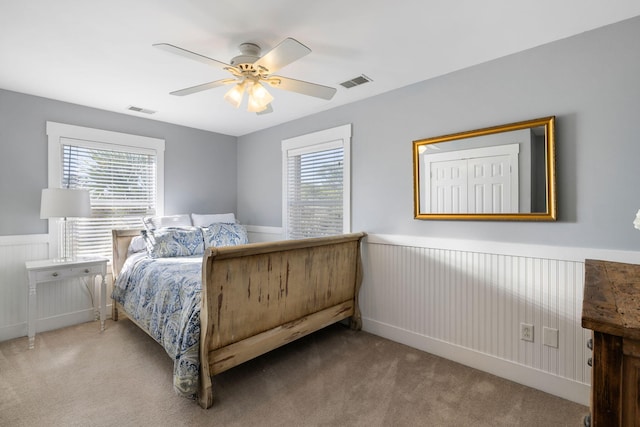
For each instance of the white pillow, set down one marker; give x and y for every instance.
(137, 245)
(207, 220)
(154, 222)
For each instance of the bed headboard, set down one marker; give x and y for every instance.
(121, 240)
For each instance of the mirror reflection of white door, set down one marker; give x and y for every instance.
(489, 185)
(448, 190)
(483, 180)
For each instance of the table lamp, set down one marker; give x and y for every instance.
(65, 203)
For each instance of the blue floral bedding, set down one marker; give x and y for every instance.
(163, 296)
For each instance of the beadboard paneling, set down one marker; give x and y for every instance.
(14, 252)
(60, 303)
(465, 300)
(258, 233)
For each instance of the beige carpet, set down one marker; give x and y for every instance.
(336, 377)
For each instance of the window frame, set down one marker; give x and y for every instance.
(327, 139)
(59, 134)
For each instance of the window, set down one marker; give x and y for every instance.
(316, 183)
(124, 174)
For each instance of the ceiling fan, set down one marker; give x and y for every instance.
(250, 71)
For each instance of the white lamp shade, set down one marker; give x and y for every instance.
(65, 203)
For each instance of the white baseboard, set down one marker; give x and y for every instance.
(66, 319)
(540, 380)
(10, 332)
(51, 323)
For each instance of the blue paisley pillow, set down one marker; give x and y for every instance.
(173, 242)
(223, 234)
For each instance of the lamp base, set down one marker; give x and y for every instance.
(66, 246)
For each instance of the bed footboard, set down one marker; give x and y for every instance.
(260, 296)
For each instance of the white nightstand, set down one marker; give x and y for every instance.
(48, 270)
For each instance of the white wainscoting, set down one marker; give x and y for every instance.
(60, 303)
(260, 233)
(465, 300)
(462, 300)
(14, 252)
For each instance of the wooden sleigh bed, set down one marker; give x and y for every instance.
(260, 296)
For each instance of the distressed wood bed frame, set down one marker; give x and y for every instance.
(260, 296)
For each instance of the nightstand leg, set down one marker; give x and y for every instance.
(103, 302)
(31, 320)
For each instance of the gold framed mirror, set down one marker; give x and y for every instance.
(504, 172)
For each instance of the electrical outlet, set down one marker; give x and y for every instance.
(526, 332)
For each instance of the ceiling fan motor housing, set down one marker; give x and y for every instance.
(250, 53)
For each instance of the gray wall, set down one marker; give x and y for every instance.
(589, 82)
(200, 171)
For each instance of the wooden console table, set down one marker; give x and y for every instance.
(611, 309)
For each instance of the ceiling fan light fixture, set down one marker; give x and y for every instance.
(254, 106)
(235, 94)
(259, 98)
(250, 69)
(260, 94)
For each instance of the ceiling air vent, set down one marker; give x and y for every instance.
(356, 81)
(140, 110)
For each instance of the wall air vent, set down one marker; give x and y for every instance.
(356, 81)
(140, 110)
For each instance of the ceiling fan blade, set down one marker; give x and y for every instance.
(191, 55)
(285, 53)
(299, 86)
(267, 110)
(204, 86)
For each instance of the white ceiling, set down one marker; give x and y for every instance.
(99, 53)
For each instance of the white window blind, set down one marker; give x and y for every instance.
(316, 183)
(122, 185)
(315, 194)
